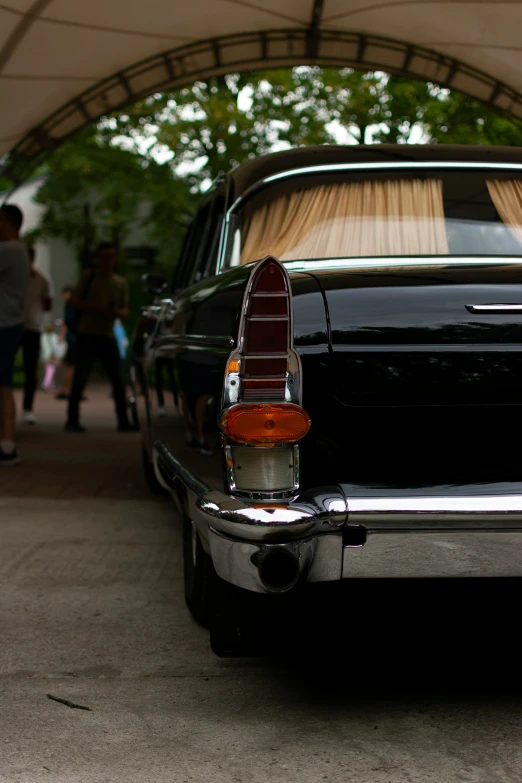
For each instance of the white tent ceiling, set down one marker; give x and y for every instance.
(63, 63)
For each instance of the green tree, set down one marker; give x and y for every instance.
(96, 182)
(213, 125)
(93, 191)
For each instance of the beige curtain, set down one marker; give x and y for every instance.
(372, 218)
(506, 195)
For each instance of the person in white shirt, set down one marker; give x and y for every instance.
(38, 302)
(14, 277)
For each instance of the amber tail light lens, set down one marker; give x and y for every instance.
(265, 423)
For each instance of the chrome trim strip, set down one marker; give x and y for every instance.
(265, 355)
(495, 308)
(390, 166)
(266, 295)
(436, 513)
(196, 340)
(268, 318)
(468, 553)
(433, 504)
(421, 347)
(386, 262)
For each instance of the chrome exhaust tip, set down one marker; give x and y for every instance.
(278, 569)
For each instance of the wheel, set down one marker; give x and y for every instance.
(150, 475)
(198, 573)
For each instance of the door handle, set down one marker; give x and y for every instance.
(168, 306)
(492, 309)
(151, 311)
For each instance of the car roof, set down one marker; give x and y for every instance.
(257, 169)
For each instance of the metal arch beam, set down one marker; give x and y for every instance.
(313, 30)
(261, 49)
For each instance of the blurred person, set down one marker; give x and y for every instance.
(50, 356)
(14, 279)
(69, 337)
(38, 302)
(100, 298)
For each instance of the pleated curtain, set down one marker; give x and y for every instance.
(371, 218)
(506, 195)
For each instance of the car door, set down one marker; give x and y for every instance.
(185, 361)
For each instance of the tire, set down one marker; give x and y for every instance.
(150, 475)
(198, 572)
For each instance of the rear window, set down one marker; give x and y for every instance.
(435, 213)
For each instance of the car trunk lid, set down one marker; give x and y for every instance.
(423, 391)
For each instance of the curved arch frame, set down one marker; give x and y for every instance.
(249, 51)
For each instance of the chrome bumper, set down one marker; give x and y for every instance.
(350, 531)
(446, 553)
(455, 531)
(308, 529)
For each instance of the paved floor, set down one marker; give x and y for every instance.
(92, 612)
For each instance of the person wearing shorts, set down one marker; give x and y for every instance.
(14, 279)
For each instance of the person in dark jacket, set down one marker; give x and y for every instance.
(100, 298)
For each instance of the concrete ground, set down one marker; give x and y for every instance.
(92, 612)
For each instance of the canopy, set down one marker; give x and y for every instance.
(63, 63)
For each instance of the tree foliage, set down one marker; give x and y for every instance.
(94, 190)
(206, 128)
(216, 124)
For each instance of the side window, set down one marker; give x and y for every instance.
(213, 235)
(188, 263)
(208, 234)
(199, 256)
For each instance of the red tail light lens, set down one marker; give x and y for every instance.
(266, 334)
(266, 337)
(267, 306)
(270, 279)
(264, 368)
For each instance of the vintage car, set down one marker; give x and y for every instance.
(330, 388)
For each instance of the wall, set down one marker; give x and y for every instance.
(54, 257)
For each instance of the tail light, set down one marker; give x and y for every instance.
(266, 424)
(265, 333)
(263, 389)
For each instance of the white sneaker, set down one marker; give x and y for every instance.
(161, 411)
(29, 417)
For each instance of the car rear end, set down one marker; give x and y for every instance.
(408, 374)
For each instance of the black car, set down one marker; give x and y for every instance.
(330, 388)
